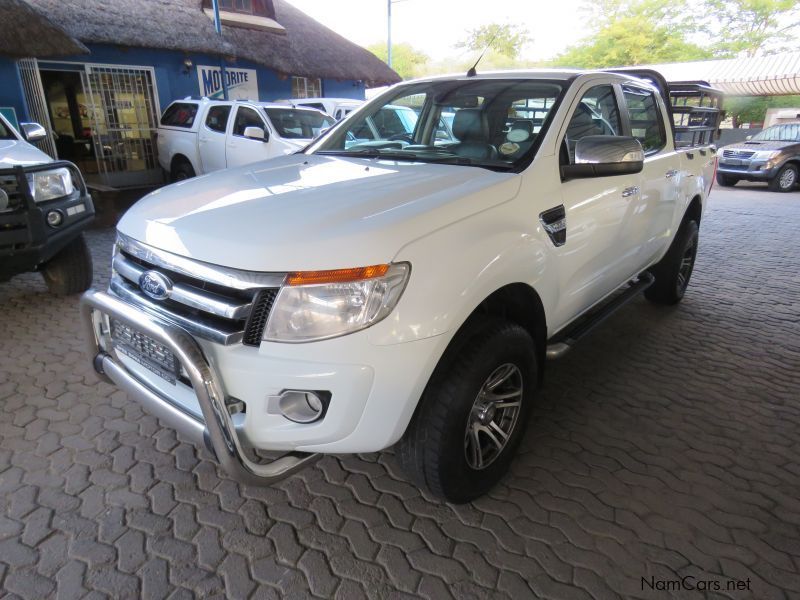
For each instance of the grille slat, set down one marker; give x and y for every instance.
(738, 153)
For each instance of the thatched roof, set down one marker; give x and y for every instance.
(306, 48)
(25, 31)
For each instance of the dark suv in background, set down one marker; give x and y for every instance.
(772, 155)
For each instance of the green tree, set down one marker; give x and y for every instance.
(752, 27)
(753, 109)
(634, 33)
(407, 61)
(507, 39)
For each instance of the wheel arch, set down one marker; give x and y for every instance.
(694, 212)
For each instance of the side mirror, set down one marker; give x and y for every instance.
(749, 137)
(603, 156)
(33, 132)
(255, 133)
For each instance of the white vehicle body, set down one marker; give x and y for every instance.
(210, 138)
(466, 233)
(338, 108)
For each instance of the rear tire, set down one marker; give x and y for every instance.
(181, 171)
(673, 272)
(785, 180)
(69, 271)
(727, 180)
(473, 414)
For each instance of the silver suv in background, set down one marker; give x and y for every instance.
(773, 155)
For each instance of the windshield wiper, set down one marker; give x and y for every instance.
(371, 153)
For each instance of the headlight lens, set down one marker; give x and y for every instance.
(766, 155)
(48, 185)
(316, 305)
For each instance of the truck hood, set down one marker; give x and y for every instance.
(14, 153)
(760, 146)
(309, 212)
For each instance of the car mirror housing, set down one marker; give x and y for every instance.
(256, 133)
(33, 132)
(605, 155)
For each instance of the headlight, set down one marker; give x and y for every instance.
(766, 155)
(315, 305)
(47, 185)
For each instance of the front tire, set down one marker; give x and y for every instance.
(785, 180)
(69, 271)
(727, 180)
(673, 272)
(473, 414)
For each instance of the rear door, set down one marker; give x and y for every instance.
(651, 219)
(211, 137)
(241, 150)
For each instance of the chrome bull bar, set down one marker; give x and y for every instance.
(218, 429)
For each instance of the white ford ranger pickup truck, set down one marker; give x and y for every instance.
(405, 291)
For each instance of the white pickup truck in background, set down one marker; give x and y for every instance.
(338, 108)
(407, 289)
(200, 136)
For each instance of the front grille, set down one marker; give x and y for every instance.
(208, 309)
(10, 186)
(738, 153)
(262, 305)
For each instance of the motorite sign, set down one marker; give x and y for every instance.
(242, 83)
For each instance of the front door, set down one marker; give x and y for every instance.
(595, 257)
(242, 150)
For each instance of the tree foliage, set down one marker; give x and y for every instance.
(753, 109)
(504, 39)
(407, 61)
(751, 27)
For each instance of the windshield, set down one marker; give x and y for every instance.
(492, 123)
(298, 124)
(779, 133)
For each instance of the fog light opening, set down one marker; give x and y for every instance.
(55, 218)
(303, 406)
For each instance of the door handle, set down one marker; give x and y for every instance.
(670, 173)
(630, 191)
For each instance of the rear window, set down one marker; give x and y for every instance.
(179, 114)
(298, 124)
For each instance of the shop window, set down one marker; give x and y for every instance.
(258, 8)
(306, 87)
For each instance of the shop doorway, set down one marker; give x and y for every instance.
(104, 119)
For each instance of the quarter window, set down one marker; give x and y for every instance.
(217, 119)
(246, 117)
(646, 123)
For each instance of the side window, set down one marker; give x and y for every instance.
(646, 122)
(596, 114)
(179, 114)
(246, 117)
(217, 119)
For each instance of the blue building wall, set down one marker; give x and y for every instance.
(11, 88)
(171, 80)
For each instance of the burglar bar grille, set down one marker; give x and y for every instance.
(36, 102)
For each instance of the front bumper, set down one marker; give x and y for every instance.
(754, 170)
(26, 240)
(217, 428)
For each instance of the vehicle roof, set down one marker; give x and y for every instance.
(552, 74)
(263, 104)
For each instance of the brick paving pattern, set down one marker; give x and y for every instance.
(666, 445)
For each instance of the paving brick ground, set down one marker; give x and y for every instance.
(666, 446)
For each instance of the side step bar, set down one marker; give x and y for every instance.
(566, 340)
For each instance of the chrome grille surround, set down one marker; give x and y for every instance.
(209, 301)
(738, 153)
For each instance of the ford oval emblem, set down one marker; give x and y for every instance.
(155, 285)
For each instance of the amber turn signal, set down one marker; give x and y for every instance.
(336, 275)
